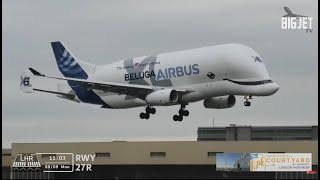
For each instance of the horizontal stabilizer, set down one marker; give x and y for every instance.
(26, 86)
(54, 92)
(59, 94)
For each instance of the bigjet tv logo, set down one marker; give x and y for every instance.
(296, 21)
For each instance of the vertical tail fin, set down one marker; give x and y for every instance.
(68, 65)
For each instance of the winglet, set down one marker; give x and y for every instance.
(36, 73)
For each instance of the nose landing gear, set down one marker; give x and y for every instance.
(182, 112)
(247, 102)
(149, 110)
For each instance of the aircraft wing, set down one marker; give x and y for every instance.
(135, 90)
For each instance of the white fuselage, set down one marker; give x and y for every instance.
(236, 69)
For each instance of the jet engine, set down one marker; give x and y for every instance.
(220, 102)
(162, 97)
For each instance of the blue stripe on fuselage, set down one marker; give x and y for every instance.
(87, 96)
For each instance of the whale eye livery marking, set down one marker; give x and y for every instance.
(211, 75)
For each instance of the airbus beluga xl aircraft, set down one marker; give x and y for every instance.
(214, 75)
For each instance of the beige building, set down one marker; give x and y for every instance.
(189, 155)
(156, 159)
(165, 152)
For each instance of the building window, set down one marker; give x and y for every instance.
(103, 154)
(157, 154)
(213, 154)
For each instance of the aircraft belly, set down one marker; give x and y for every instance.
(116, 101)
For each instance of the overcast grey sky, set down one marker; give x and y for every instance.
(102, 32)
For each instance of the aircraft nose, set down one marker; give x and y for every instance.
(274, 88)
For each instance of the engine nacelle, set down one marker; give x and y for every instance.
(162, 97)
(220, 102)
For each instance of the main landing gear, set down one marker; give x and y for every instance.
(149, 110)
(182, 112)
(247, 102)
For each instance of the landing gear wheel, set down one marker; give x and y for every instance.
(247, 103)
(186, 113)
(177, 117)
(181, 112)
(146, 115)
(150, 110)
(153, 110)
(141, 115)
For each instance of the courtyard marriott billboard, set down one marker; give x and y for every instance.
(264, 162)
